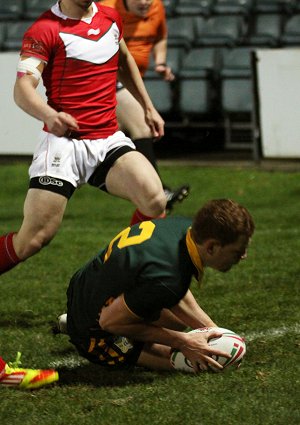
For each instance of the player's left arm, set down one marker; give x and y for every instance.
(160, 59)
(189, 312)
(130, 77)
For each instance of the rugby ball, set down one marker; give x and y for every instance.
(229, 342)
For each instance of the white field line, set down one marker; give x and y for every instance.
(73, 361)
(273, 333)
(69, 362)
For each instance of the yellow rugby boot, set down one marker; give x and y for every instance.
(14, 376)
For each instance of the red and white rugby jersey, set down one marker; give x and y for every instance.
(82, 62)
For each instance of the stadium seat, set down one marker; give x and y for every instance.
(236, 61)
(169, 6)
(220, 30)
(295, 7)
(236, 93)
(233, 6)
(194, 7)
(14, 35)
(11, 9)
(181, 31)
(2, 34)
(195, 96)
(34, 8)
(266, 30)
(160, 92)
(204, 61)
(198, 81)
(174, 58)
(273, 6)
(291, 31)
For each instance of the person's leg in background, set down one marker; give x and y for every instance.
(131, 120)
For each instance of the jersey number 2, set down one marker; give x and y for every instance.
(147, 229)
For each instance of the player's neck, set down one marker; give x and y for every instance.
(78, 10)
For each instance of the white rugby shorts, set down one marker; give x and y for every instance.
(73, 160)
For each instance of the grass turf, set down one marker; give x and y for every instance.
(259, 299)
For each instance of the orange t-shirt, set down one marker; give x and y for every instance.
(140, 34)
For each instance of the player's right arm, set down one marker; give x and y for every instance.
(190, 313)
(30, 101)
(118, 319)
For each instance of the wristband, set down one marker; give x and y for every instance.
(160, 64)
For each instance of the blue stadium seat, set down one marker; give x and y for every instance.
(266, 30)
(220, 30)
(11, 9)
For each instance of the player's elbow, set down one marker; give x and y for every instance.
(107, 323)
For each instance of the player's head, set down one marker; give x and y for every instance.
(222, 229)
(139, 7)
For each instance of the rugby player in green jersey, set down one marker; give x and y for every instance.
(131, 303)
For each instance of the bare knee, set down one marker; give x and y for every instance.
(156, 203)
(150, 199)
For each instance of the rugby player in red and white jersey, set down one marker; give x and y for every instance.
(78, 49)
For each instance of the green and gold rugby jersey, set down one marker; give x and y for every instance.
(151, 263)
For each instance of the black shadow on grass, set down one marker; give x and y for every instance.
(94, 375)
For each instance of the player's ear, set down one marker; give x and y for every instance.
(212, 246)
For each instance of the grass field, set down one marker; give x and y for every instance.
(259, 299)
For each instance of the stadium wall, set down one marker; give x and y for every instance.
(19, 131)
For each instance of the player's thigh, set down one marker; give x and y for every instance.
(132, 177)
(131, 116)
(43, 210)
(155, 357)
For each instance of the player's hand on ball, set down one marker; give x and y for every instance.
(214, 349)
(197, 350)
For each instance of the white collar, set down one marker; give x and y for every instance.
(56, 10)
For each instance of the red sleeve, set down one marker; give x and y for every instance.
(40, 38)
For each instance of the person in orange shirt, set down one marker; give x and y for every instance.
(145, 33)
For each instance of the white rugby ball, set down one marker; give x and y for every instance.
(230, 342)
